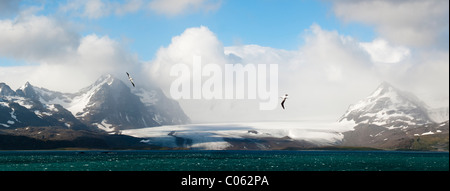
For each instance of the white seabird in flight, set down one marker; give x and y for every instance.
(284, 99)
(131, 79)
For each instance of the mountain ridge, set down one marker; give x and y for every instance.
(389, 107)
(107, 104)
(393, 119)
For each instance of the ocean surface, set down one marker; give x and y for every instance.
(223, 161)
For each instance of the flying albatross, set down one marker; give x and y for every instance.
(131, 79)
(284, 99)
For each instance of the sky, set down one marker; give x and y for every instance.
(329, 54)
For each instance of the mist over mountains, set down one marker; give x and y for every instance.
(391, 119)
(388, 118)
(389, 107)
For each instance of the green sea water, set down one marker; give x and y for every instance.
(223, 161)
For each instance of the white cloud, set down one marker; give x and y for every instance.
(85, 8)
(323, 77)
(329, 72)
(404, 22)
(426, 74)
(381, 51)
(93, 57)
(412, 48)
(130, 6)
(36, 38)
(337, 58)
(192, 42)
(177, 7)
(57, 57)
(95, 50)
(95, 9)
(326, 66)
(334, 73)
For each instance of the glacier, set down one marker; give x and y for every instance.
(214, 136)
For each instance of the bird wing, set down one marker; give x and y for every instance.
(131, 79)
(282, 103)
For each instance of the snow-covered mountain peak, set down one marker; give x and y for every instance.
(5, 90)
(387, 106)
(104, 85)
(384, 89)
(25, 86)
(109, 104)
(27, 91)
(106, 78)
